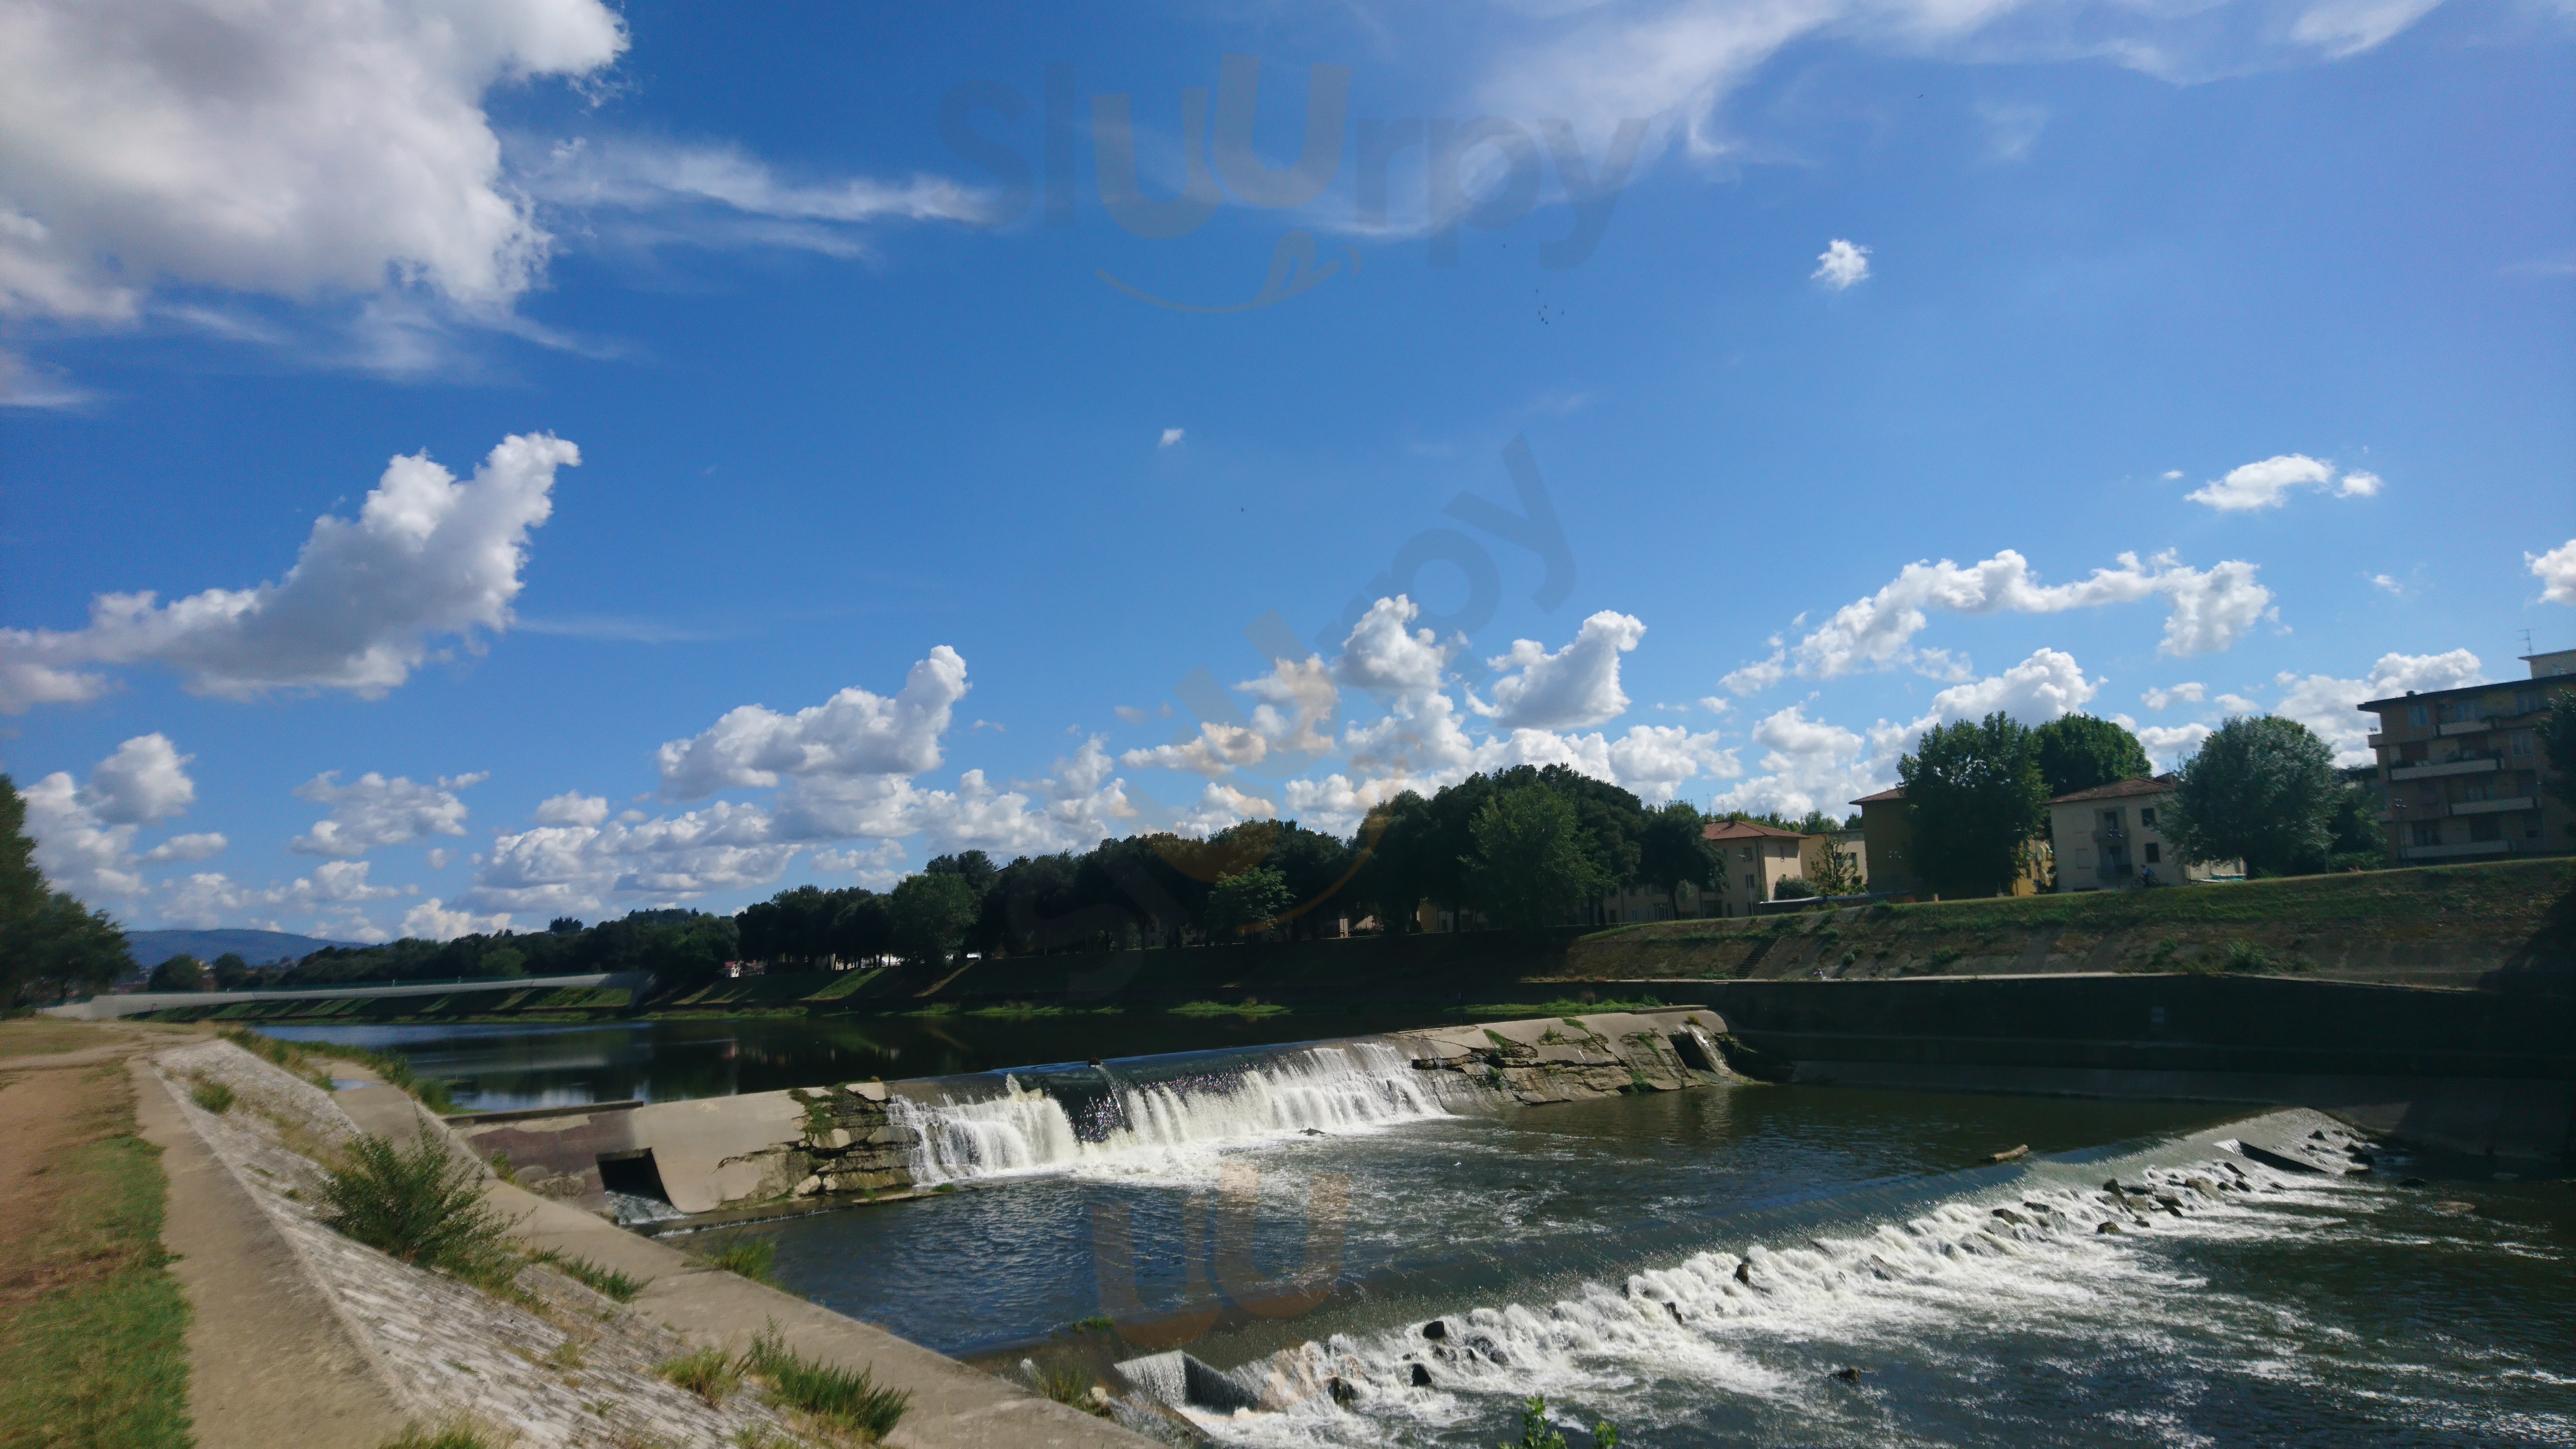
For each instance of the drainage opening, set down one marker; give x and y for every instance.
(634, 1186)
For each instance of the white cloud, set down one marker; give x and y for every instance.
(877, 867)
(431, 920)
(2330, 706)
(1217, 749)
(2166, 745)
(2387, 583)
(1654, 760)
(192, 847)
(2238, 704)
(372, 811)
(298, 148)
(2186, 693)
(554, 869)
(2556, 571)
(851, 736)
(1138, 714)
(1172, 437)
(2048, 685)
(1299, 705)
(2267, 484)
(1383, 657)
(1841, 265)
(2207, 610)
(1806, 765)
(1577, 685)
(84, 833)
(572, 808)
(719, 195)
(427, 558)
(1076, 807)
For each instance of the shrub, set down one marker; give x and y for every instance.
(2246, 956)
(1066, 1383)
(752, 1258)
(851, 1402)
(605, 1280)
(213, 1096)
(1537, 1433)
(710, 1373)
(454, 1436)
(419, 1204)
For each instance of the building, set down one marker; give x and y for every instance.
(2460, 770)
(1753, 860)
(2111, 837)
(1887, 833)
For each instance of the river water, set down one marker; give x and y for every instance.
(1696, 1266)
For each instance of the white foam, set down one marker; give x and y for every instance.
(1339, 1089)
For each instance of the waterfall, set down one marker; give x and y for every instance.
(1340, 1088)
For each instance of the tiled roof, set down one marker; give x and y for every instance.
(2120, 790)
(1744, 830)
(1896, 794)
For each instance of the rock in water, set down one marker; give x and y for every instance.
(1421, 1377)
(2011, 1154)
(2008, 1215)
(1435, 1330)
(1343, 1394)
(2108, 1228)
(1744, 1273)
(1847, 1374)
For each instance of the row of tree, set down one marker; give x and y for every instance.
(51, 946)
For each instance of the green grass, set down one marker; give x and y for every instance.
(93, 1350)
(748, 1257)
(1219, 1008)
(453, 1436)
(853, 1403)
(603, 1280)
(421, 1205)
(711, 1373)
(1068, 1384)
(215, 1097)
(394, 1067)
(1560, 1008)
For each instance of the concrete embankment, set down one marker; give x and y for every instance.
(375, 1342)
(858, 1141)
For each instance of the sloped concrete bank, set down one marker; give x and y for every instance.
(841, 1143)
(2474, 1072)
(566, 1366)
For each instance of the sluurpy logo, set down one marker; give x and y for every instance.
(1487, 172)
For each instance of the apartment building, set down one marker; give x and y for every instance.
(1753, 860)
(2112, 838)
(1887, 833)
(2460, 771)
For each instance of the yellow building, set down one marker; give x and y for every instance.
(2112, 837)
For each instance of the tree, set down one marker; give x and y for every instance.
(2356, 841)
(1245, 903)
(179, 973)
(1792, 888)
(51, 945)
(931, 914)
(1836, 872)
(2261, 790)
(2557, 745)
(2080, 752)
(1530, 865)
(1673, 851)
(1976, 799)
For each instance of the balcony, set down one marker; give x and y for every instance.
(2454, 852)
(2467, 727)
(2111, 835)
(2377, 739)
(2434, 769)
(2493, 807)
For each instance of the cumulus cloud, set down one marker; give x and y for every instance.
(554, 869)
(1172, 437)
(2556, 571)
(2167, 745)
(2330, 706)
(2185, 693)
(877, 867)
(1384, 657)
(2207, 610)
(431, 920)
(572, 808)
(372, 811)
(1216, 749)
(1841, 266)
(852, 735)
(84, 832)
(2268, 484)
(428, 558)
(2048, 685)
(1575, 686)
(301, 148)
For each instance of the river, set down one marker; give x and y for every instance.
(1699, 1267)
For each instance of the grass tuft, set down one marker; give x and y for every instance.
(419, 1204)
(604, 1280)
(749, 1257)
(710, 1373)
(451, 1436)
(1068, 1384)
(852, 1403)
(394, 1067)
(215, 1097)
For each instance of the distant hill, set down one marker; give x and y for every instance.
(259, 948)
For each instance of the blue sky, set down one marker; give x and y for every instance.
(1880, 366)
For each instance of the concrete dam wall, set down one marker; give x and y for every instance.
(871, 1141)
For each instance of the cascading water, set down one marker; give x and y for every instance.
(1342, 1088)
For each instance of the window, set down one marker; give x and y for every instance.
(1748, 882)
(2419, 715)
(2486, 827)
(2519, 744)
(2155, 853)
(2147, 818)
(1748, 855)
(2474, 790)
(2424, 832)
(2526, 701)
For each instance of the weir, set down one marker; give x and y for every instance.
(833, 1145)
